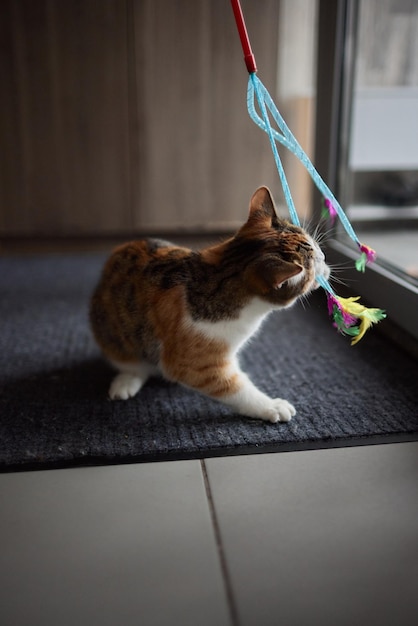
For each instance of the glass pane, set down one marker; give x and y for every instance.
(382, 191)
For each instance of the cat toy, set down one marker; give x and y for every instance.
(349, 316)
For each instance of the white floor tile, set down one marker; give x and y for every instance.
(326, 537)
(109, 546)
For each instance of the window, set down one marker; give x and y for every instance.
(367, 143)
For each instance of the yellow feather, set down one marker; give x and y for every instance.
(365, 316)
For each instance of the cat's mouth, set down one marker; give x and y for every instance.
(321, 269)
(320, 266)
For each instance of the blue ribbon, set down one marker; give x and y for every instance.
(287, 139)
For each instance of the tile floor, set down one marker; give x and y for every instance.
(325, 537)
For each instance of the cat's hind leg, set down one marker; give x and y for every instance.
(131, 377)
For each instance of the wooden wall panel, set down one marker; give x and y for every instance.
(201, 155)
(65, 166)
(119, 116)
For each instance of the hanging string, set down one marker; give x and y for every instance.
(288, 140)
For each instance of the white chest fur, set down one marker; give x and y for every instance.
(237, 331)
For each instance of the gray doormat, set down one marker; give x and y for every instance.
(54, 410)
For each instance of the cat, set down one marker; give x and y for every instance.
(167, 310)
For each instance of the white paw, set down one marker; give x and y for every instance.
(280, 411)
(124, 386)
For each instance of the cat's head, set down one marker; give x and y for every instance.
(286, 259)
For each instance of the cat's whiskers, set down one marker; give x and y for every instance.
(304, 300)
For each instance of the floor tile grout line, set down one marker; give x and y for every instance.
(221, 552)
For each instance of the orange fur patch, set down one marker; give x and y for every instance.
(187, 356)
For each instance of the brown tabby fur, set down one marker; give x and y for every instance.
(153, 297)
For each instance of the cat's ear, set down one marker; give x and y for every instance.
(262, 207)
(270, 273)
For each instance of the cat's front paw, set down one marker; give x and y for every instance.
(280, 411)
(124, 386)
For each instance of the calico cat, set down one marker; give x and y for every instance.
(163, 309)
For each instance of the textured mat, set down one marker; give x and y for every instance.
(53, 384)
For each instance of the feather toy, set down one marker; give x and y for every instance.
(350, 316)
